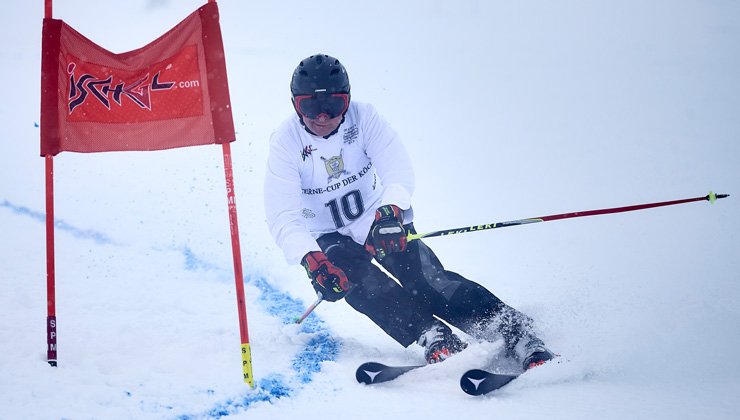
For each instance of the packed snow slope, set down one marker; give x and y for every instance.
(508, 109)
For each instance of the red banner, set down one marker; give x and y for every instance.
(171, 93)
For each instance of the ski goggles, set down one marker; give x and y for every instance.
(331, 104)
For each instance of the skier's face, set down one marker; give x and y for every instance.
(322, 125)
(321, 112)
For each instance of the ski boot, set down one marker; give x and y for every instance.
(532, 352)
(439, 343)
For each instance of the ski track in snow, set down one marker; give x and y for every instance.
(321, 347)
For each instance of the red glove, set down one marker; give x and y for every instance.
(326, 278)
(387, 233)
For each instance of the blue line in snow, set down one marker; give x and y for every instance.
(322, 347)
(98, 237)
(194, 263)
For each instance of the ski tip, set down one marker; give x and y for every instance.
(363, 377)
(373, 373)
(367, 372)
(480, 382)
(471, 380)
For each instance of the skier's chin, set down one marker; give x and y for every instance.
(323, 128)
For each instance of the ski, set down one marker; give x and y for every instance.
(373, 373)
(481, 382)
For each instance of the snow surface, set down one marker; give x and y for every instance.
(509, 109)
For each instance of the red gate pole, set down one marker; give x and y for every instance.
(51, 318)
(238, 274)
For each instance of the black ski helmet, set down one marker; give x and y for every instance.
(319, 73)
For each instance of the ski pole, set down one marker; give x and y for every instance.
(319, 299)
(711, 197)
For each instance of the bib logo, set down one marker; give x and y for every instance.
(165, 90)
(334, 166)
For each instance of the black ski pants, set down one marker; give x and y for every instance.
(426, 290)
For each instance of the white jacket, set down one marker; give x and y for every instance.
(315, 186)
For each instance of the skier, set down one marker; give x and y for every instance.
(338, 195)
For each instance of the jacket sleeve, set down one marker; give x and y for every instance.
(390, 159)
(282, 198)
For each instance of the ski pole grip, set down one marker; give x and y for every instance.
(413, 236)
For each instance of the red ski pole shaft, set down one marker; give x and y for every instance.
(711, 197)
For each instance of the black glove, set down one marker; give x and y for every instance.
(387, 233)
(326, 278)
